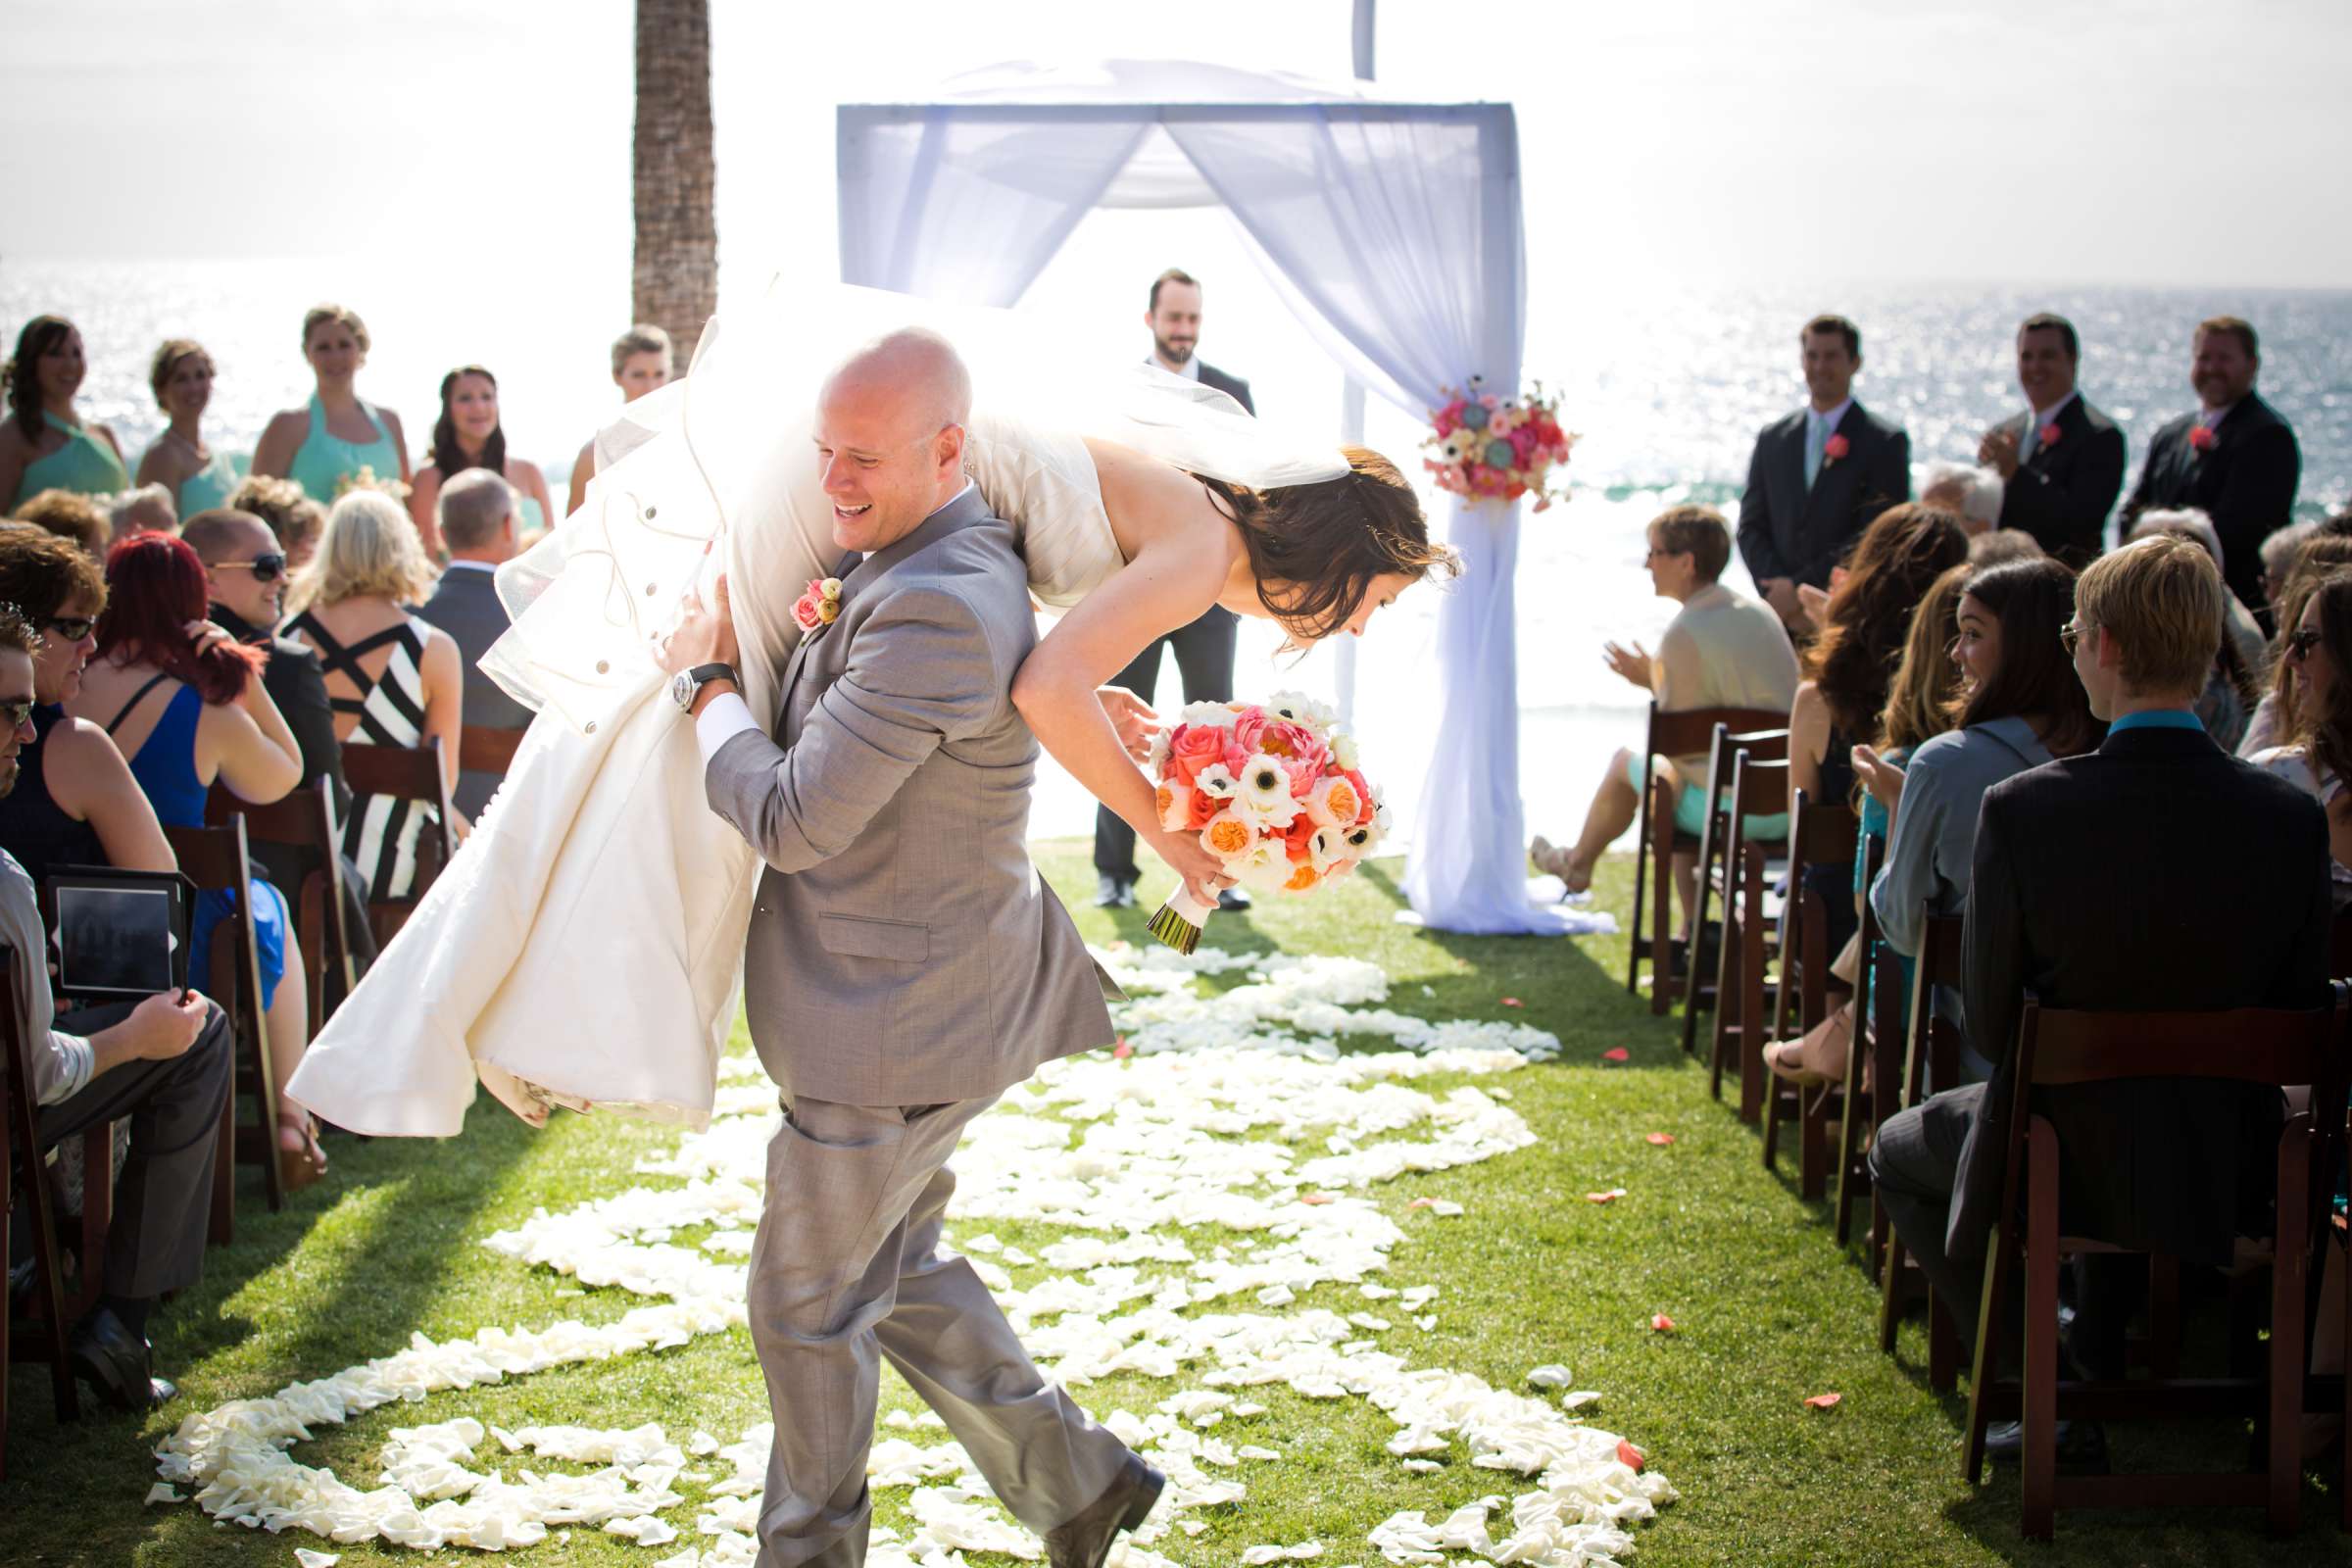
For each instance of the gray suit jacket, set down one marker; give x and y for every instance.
(902, 949)
(466, 607)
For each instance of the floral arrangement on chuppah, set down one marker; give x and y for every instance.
(1492, 447)
(1274, 792)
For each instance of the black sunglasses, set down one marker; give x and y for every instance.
(17, 713)
(2301, 641)
(73, 628)
(264, 569)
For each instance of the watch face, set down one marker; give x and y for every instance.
(681, 688)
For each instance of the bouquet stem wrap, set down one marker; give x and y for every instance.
(1179, 920)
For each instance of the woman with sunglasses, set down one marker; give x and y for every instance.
(2318, 649)
(75, 801)
(185, 705)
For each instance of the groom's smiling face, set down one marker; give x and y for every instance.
(884, 457)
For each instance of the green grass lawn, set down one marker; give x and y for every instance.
(1767, 1314)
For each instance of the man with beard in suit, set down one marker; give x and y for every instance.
(2062, 459)
(2234, 458)
(1819, 476)
(1204, 648)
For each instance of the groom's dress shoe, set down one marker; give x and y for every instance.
(1086, 1541)
(115, 1362)
(2082, 1446)
(1111, 893)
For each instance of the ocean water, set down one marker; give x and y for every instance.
(1668, 385)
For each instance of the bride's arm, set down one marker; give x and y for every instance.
(1165, 586)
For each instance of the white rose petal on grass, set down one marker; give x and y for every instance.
(702, 1444)
(1254, 1452)
(1427, 1323)
(1305, 1551)
(306, 1558)
(1579, 1398)
(1423, 1467)
(162, 1492)
(1551, 1375)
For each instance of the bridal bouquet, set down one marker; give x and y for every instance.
(1491, 448)
(1274, 792)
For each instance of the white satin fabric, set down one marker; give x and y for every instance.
(585, 944)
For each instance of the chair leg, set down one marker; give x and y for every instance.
(2164, 1315)
(1852, 1180)
(222, 1228)
(1998, 1261)
(1751, 1004)
(1725, 1031)
(1890, 1295)
(1813, 1144)
(1943, 1347)
(2290, 1278)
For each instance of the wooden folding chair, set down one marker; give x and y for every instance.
(1751, 924)
(2055, 1048)
(1930, 1054)
(482, 749)
(1875, 1055)
(1658, 841)
(406, 773)
(305, 821)
(217, 861)
(1819, 834)
(41, 1337)
(1724, 747)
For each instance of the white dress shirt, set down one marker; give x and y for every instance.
(1191, 371)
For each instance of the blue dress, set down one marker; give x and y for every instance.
(166, 768)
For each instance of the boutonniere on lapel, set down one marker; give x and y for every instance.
(818, 608)
(2201, 437)
(1835, 447)
(2048, 436)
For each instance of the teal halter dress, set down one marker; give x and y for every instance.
(324, 462)
(85, 465)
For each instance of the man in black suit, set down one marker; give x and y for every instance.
(2233, 458)
(2062, 461)
(1820, 476)
(477, 522)
(2095, 886)
(1204, 648)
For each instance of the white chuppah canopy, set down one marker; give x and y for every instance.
(1392, 229)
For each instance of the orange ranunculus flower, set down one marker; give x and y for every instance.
(1226, 835)
(1302, 878)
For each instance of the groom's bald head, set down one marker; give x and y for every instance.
(890, 435)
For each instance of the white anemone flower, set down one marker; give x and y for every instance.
(1263, 793)
(1265, 866)
(1159, 758)
(1301, 708)
(1218, 713)
(1216, 780)
(1343, 750)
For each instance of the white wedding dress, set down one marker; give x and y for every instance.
(584, 947)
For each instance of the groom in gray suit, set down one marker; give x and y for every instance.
(906, 965)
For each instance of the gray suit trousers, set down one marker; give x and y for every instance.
(846, 1269)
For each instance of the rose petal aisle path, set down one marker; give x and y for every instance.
(1368, 1236)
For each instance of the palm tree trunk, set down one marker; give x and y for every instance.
(674, 277)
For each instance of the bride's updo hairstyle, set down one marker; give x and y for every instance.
(1315, 548)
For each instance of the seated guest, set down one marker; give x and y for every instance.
(2320, 646)
(2095, 886)
(641, 364)
(1972, 494)
(2278, 556)
(198, 478)
(2063, 460)
(187, 708)
(395, 680)
(1919, 706)
(1998, 545)
(1720, 651)
(2234, 458)
(294, 517)
(145, 510)
(163, 1065)
(69, 516)
(2232, 689)
(1820, 476)
(2276, 721)
(75, 801)
(478, 519)
(2019, 706)
(245, 581)
(44, 443)
(466, 436)
(1899, 559)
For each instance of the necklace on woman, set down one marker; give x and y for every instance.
(195, 448)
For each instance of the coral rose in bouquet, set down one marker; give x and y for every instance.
(1275, 794)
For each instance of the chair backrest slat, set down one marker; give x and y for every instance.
(2245, 1045)
(1759, 788)
(482, 749)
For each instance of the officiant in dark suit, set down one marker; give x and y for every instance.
(2062, 461)
(1820, 476)
(1204, 648)
(2234, 458)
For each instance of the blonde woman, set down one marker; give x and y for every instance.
(336, 440)
(641, 364)
(394, 680)
(199, 477)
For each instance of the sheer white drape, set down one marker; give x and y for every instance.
(1392, 230)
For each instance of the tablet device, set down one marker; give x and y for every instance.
(120, 935)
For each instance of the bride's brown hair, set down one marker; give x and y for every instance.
(1314, 549)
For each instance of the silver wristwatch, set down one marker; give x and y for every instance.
(686, 683)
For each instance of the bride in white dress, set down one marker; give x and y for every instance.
(585, 949)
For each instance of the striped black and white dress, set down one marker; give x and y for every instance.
(381, 832)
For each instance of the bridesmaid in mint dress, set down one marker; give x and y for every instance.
(44, 445)
(336, 440)
(198, 478)
(470, 435)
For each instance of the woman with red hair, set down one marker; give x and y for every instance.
(185, 705)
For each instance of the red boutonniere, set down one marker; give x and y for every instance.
(1835, 447)
(2047, 435)
(818, 608)
(2201, 437)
